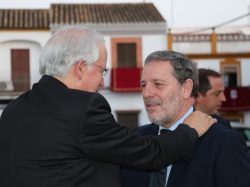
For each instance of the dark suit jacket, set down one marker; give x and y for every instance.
(55, 136)
(222, 120)
(220, 159)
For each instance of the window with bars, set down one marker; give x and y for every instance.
(128, 118)
(126, 54)
(20, 70)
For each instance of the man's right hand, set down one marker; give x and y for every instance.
(200, 121)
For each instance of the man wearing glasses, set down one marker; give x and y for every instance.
(61, 133)
(104, 70)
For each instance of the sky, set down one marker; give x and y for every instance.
(177, 13)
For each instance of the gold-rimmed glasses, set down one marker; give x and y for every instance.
(104, 70)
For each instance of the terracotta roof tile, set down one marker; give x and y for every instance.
(24, 19)
(79, 13)
(105, 13)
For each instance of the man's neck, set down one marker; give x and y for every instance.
(186, 107)
(174, 125)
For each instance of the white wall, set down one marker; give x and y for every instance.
(247, 118)
(245, 69)
(151, 43)
(245, 81)
(5, 68)
(194, 47)
(107, 78)
(233, 47)
(213, 64)
(40, 37)
(34, 51)
(33, 41)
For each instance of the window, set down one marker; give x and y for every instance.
(126, 54)
(126, 64)
(128, 118)
(230, 69)
(230, 76)
(20, 71)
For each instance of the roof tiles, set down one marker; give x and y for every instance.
(105, 13)
(79, 14)
(24, 19)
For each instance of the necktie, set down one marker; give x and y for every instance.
(158, 178)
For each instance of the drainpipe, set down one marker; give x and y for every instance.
(170, 40)
(213, 41)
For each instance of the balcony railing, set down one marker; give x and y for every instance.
(126, 79)
(238, 99)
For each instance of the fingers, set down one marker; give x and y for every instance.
(213, 120)
(201, 122)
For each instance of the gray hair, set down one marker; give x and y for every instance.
(68, 46)
(183, 67)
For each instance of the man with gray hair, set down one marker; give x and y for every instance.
(220, 159)
(62, 133)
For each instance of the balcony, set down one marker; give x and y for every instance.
(238, 99)
(126, 79)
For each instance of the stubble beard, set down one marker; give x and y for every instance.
(169, 112)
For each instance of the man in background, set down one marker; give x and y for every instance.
(220, 159)
(211, 94)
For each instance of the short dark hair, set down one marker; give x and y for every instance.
(204, 84)
(183, 67)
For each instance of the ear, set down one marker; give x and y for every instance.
(78, 69)
(188, 87)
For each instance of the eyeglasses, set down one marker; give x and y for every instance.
(104, 70)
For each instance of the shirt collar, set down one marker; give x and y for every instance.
(178, 122)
